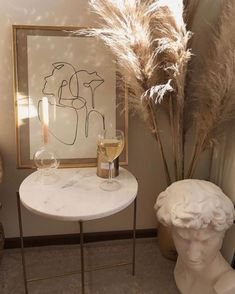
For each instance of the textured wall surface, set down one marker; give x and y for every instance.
(144, 159)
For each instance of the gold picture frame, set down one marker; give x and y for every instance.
(86, 89)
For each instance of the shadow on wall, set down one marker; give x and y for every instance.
(75, 13)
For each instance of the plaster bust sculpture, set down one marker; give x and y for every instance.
(198, 213)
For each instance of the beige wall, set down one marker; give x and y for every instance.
(223, 174)
(144, 159)
(143, 153)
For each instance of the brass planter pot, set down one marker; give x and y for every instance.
(166, 243)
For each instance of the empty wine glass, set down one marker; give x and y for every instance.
(110, 144)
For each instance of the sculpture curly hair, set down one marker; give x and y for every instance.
(195, 204)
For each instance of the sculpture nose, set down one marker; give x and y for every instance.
(194, 251)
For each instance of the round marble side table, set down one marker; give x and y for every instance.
(74, 195)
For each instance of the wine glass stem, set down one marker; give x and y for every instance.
(110, 171)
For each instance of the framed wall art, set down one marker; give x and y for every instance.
(78, 76)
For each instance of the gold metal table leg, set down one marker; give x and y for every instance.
(82, 257)
(134, 237)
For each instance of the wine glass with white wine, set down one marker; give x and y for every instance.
(110, 144)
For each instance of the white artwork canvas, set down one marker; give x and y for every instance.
(78, 76)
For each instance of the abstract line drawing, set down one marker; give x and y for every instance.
(63, 87)
(78, 75)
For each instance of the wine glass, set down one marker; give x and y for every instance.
(110, 144)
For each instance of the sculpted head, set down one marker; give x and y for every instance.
(198, 213)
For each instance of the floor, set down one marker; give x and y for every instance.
(154, 274)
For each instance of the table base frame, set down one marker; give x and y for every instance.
(83, 270)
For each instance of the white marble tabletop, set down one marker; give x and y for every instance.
(74, 194)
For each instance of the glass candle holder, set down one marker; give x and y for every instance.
(46, 161)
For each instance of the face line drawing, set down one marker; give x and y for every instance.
(75, 96)
(56, 66)
(45, 83)
(88, 85)
(59, 66)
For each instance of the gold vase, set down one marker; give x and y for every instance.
(166, 243)
(103, 166)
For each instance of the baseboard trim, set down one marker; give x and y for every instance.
(69, 239)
